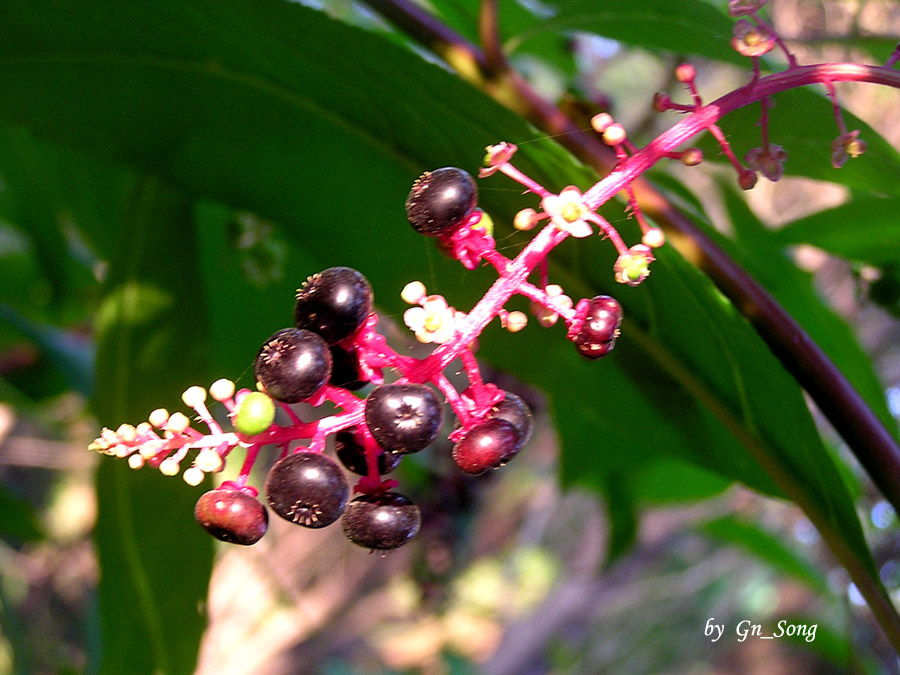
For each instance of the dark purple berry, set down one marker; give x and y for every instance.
(307, 488)
(293, 365)
(384, 521)
(345, 369)
(232, 516)
(349, 448)
(598, 335)
(403, 418)
(333, 303)
(440, 200)
(515, 411)
(486, 446)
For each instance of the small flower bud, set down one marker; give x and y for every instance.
(135, 461)
(148, 451)
(178, 422)
(601, 122)
(654, 238)
(169, 467)
(413, 293)
(516, 321)
(209, 461)
(685, 73)
(221, 390)
(159, 417)
(747, 179)
(126, 433)
(194, 396)
(614, 134)
(193, 476)
(661, 101)
(525, 219)
(692, 156)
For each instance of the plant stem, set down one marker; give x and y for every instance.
(874, 446)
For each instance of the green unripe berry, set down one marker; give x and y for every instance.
(254, 414)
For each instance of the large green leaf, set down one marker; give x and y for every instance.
(272, 107)
(154, 560)
(756, 248)
(864, 230)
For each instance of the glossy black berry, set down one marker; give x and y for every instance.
(350, 450)
(403, 418)
(307, 488)
(292, 365)
(486, 446)
(440, 200)
(515, 411)
(333, 303)
(601, 327)
(232, 516)
(345, 369)
(382, 522)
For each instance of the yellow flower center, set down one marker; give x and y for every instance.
(571, 212)
(433, 321)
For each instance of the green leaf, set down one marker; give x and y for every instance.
(154, 560)
(767, 547)
(686, 27)
(757, 250)
(864, 230)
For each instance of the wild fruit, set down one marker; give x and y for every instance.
(307, 488)
(440, 200)
(403, 418)
(382, 522)
(598, 334)
(333, 303)
(232, 516)
(486, 446)
(292, 365)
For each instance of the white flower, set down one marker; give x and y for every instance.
(433, 322)
(567, 212)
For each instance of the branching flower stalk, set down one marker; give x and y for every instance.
(336, 348)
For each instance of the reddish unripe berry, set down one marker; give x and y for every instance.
(600, 328)
(486, 446)
(232, 516)
(382, 522)
(514, 410)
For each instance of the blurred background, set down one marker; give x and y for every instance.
(510, 573)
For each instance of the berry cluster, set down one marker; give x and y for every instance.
(334, 349)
